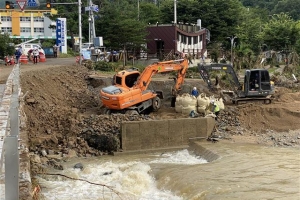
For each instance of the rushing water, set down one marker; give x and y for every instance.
(242, 172)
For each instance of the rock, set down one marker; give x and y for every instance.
(30, 101)
(54, 139)
(55, 157)
(44, 160)
(72, 153)
(71, 144)
(50, 152)
(35, 158)
(78, 166)
(44, 153)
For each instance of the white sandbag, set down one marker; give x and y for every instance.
(211, 115)
(220, 103)
(178, 101)
(189, 100)
(202, 100)
(178, 108)
(201, 110)
(187, 110)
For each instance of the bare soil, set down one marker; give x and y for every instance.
(62, 104)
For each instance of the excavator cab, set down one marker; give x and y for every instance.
(257, 83)
(126, 78)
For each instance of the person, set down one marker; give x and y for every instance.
(18, 55)
(55, 49)
(7, 60)
(195, 92)
(35, 53)
(214, 108)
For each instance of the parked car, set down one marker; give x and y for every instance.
(30, 46)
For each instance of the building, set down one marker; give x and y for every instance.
(27, 24)
(180, 39)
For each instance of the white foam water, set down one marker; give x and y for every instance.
(118, 180)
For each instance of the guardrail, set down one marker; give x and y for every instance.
(9, 137)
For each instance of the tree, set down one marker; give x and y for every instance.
(119, 25)
(280, 32)
(249, 27)
(290, 7)
(5, 45)
(218, 16)
(149, 13)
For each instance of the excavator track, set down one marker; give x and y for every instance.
(239, 100)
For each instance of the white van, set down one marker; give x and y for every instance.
(30, 46)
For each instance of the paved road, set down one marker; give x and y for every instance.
(50, 62)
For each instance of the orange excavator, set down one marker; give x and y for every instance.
(130, 94)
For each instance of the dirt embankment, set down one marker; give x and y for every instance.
(63, 112)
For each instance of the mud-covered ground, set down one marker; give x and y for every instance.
(64, 115)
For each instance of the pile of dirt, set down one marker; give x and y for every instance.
(64, 113)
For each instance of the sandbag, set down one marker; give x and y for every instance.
(201, 110)
(202, 100)
(220, 103)
(178, 101)
(187, 110)
(211, 115)
(178, 108)
(189, 100)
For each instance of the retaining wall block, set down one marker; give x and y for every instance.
(175, 132)
(131, 136)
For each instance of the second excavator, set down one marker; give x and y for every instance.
(130, 94)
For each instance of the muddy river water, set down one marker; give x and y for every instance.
(241, 172)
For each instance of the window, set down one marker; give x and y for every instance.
(39, 30)
(118, 80)
(25, 29)
(6, 29)
(183, 39)
(25, 19)
(189, 40)
(38, 19)
(195, 39)
(5, 18)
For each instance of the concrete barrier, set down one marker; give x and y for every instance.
(144, 135)
(198, 149)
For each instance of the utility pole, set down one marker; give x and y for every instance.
(175, 12)
(92, 33)
(232, 40)
(80, 31)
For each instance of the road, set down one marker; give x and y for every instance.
(50, 62)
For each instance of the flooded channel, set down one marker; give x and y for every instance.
(241, 172)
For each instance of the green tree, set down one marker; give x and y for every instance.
(149, 13)
(5, 46)
(280, 32)
(119, 25)
(219, 17)
(290, 7)
(249, 27)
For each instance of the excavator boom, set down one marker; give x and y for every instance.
(160, 67)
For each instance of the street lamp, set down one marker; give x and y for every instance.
(232, 40)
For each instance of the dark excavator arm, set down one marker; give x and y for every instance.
(227, 68)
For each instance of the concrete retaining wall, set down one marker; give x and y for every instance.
(164, 133)
(199, 150)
